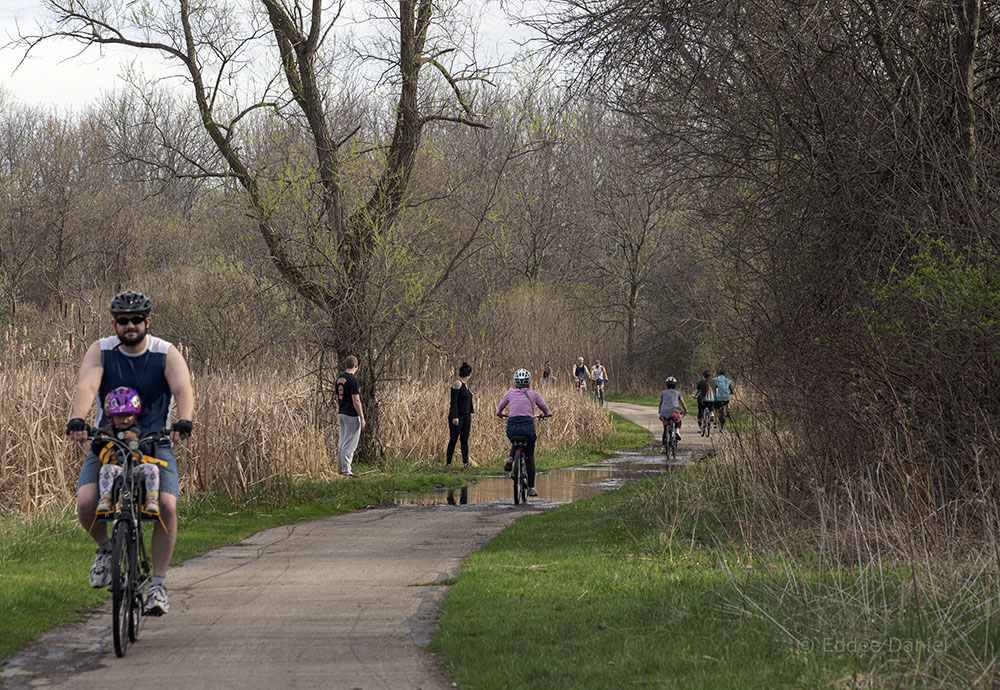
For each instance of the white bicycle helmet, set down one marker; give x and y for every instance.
(671, 381)
(522, 378)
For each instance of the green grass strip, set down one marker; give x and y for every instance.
(649, 586)
(554, 601)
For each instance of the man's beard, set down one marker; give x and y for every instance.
(132, 338)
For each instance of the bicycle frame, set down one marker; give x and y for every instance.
(706, 421)
(130, 560)
(670, 437)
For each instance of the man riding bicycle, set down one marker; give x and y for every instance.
(156, 370)
(581, 373)
(722, 389)
(598, 373)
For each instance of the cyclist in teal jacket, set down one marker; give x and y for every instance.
(722, 389)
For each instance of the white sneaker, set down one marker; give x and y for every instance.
(100, 572)
(532, 492)
(156, 601)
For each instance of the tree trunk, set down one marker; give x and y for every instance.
(967, 20)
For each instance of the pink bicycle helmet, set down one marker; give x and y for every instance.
(122, 401)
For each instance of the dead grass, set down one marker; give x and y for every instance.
(256, 430)
(835, 572)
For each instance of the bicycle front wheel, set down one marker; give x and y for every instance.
(140, 583)
(122, 589)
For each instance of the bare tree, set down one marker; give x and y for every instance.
(240, 60)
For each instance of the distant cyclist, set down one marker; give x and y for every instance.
(705, 397)
(722, 389)
(581, 373)
(672, 406)
(522, 401)
(599, 373)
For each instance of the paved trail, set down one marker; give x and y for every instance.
(648, 418)
(341, 602)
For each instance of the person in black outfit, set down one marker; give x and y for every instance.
(460, 414)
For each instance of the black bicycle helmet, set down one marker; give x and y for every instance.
(130, 302)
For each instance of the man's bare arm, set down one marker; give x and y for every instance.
(91, 372)
(179, 379)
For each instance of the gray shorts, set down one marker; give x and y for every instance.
(168, 475)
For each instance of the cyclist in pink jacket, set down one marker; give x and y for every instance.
(521, 401)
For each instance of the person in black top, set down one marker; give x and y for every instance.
(351, 417)
(460, 414)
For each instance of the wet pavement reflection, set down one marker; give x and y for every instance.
(558, 486)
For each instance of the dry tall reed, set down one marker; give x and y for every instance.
(831, 567)
(254, 429)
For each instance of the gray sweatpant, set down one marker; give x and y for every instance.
(350, 434)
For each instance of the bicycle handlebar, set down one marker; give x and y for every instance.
(101, 434)
(537, 416)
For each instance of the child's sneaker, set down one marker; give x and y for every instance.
(104, 505)
(151, 506)
(507, 465)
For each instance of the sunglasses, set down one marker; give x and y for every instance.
(126, 320)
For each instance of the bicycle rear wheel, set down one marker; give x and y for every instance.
(518, 468)
(672, 442)
(122, 586)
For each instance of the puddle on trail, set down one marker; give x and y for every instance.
(558, 486)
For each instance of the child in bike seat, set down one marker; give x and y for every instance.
(521, 422)
(121, 406)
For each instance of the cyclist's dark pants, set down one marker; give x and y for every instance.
(459, 431)
(524, 426)
(720, 406)
(666, 424)
(703, 409)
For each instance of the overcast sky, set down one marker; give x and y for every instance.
(56, 76)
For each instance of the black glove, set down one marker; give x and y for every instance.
(184, 427)
(76, 424)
